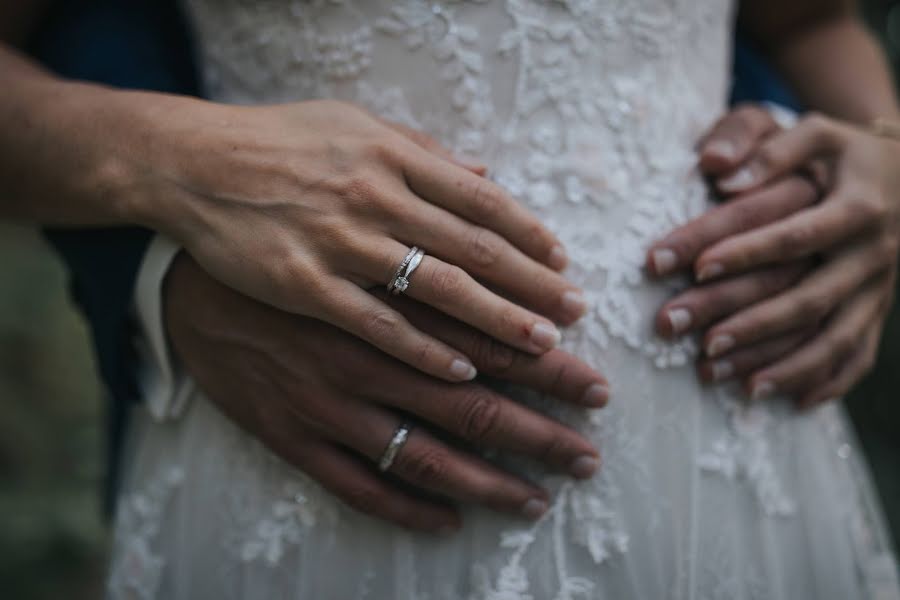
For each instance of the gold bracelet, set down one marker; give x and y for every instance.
(887, 128)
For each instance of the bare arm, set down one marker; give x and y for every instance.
(827, 55)
(67, 148)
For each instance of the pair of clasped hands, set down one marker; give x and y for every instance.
(794, 274)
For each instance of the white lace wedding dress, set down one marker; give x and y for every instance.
(587, 111)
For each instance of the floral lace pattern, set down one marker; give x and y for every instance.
(587, 112)
(137, 569)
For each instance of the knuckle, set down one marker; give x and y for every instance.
(742, 216)
(363, 498)
(426, 352)
(796, 239)
(448, 281)
(494, 356)
(872, 208)
(479, 417)
(751, 116)
(427, 467)
(841, 347)
(484, 247)
(385, 149)
(771, 156)
(553, 446)
(357, 189)
(382, 324)
(487, 200)
(811, 307)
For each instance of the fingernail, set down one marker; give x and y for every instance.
(574, 304)
(463, 370)
(597, 394)
(534, 509)
(722, 369)
(762, 389)
(709, 271)
(664, 260)
(720, 345)
(679, 319)
(545, 336)
(742, 178)
(721, 148)
(584, 466)
(558, 257)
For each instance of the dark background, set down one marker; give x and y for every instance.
(52, 537)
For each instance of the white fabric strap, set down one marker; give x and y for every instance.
(164, 386)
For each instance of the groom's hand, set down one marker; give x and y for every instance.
(329, 403)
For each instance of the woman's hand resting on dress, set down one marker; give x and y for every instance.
(327, 403)
(795, 284)
(305, 206)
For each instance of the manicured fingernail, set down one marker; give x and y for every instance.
(534, 509)
(720, 345)
(558, 257)
(584, 466)
(544, 336)
(679, 319)
(574, 304)
(762, 389)
(597, 394)
(664, 260)
(709, 271)
(722, 369)
(463, 370)
(721, 148)
(739, 180)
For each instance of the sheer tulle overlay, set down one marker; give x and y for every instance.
(588, 112)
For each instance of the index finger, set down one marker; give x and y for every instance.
(482, 201)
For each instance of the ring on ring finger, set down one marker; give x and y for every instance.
(401, 280)
(394, 446)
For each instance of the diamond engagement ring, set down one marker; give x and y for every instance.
(399, 272)
(401, 279)
(396, 443)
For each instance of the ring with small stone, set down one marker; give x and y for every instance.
(401, 280)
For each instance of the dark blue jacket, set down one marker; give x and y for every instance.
(145, 45)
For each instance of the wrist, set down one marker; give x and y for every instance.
(148, 176)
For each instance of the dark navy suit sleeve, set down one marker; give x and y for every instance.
(137, 45)
(755, 81)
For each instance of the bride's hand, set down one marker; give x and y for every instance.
(328, 403)
(305, 206)
(817, 337)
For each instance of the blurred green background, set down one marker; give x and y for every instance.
(52, 537)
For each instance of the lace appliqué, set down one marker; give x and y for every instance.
(137, 569)
(289, 516)
(744, 452)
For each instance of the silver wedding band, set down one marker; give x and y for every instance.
(393, 448)
(401, 278)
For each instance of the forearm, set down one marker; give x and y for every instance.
(827, 55)
(839, 68)
(72, 153)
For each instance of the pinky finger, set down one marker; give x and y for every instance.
(372, 320)
(355, 484)
(848, 374)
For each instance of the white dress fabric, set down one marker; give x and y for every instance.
(587, 111)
